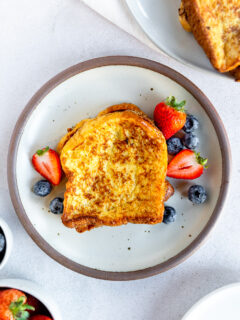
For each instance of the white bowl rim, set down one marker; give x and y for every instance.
(9, 242)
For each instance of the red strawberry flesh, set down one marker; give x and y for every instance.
(186, 165)
(47, 163)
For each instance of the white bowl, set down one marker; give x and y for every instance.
(220, 304)
(34, 290)
(9, 242)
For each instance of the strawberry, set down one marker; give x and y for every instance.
(46, 162)
(13, 305)
(170, 116)
(187, 164)
(40, 317)
(34, 303)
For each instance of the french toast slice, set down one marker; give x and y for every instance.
(69, 134)
(169, 190)
(216, 26)
(182, 16)
(117, 107)
(116, 168)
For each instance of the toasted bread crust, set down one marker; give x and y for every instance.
(120, 107)
(182, 16)
(90, 222)
(216, 26)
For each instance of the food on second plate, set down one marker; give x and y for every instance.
(174, 145)
(42, 188)
(2, 245)
(197, 194)
(116, 167)
(46, 162)
(13, 305)
(169, 215)
(187, 164)
(215, 25)
(190, 141)
(56, 205)
(170, 116)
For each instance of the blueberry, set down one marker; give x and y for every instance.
(169, 215)
(174, 145)
(2, 243)
(42, 188)
(190, 141)
(191, 124)
(56, 205)
(197, 194)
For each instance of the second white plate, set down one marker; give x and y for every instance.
(159, 20)
(220, 304)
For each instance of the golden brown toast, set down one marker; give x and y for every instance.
(216, 26)
(116, 168)
(117, 107)
(69, 134)
(182, 15)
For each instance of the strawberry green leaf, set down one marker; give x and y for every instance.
(22, 315)
(200, 160)
(172, 102)
(19, 307)
(42, 151)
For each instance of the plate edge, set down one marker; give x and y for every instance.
(101, 62)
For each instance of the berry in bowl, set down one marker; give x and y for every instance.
(5, 242)
(24, 300)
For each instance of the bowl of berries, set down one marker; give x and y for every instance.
(25, 300)
(5, 242)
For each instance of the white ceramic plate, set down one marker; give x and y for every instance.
(159, 20)
(129, 251)
(221, 304)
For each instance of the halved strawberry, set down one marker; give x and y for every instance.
(170, 116)
(46, 162)
(187, 164)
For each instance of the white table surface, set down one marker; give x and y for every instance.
(37, 40)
